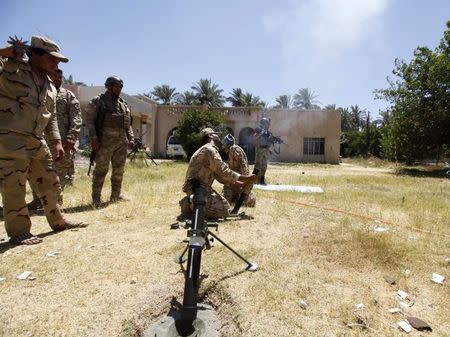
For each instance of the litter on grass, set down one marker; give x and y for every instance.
(405, 326)
(436, 278)
(292, 188)
(24, 275)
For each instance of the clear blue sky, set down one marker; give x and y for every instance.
(341, 49)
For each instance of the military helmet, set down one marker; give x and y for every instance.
(113, 80)
(228, 140)
(265, 123)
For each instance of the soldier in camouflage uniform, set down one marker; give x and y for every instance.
(68, 114)
(27, 109)
(262, 140)
(237, 161)
(108, 121)
(206, 165)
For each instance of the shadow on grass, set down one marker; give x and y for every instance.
(6, 245)
(425, 173)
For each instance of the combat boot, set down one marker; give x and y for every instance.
(34, 205)
(119, 198)
(96, 201)
(262, 181)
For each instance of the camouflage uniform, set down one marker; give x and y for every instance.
(207, 165)
(26, 111)
(68, 115)
(237, 161)
(108, 119)
(262, 144)
(69, 123)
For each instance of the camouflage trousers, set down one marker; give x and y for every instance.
(113, 149)
(62, 168)
(232, 195)
(261, 158)
(216, 205)
(22, 157)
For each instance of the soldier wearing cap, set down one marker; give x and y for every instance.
(27, 111)
(108, 121)
(68, 115)
(237, 161)
(206, 165)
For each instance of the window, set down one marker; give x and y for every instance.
(313, 146)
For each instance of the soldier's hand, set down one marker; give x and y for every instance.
(68, 144)
(59, 151)
(95, 145)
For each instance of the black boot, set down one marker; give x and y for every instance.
(263, 180)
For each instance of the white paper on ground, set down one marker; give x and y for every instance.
(294, 188)
(436, 278)
(24, 275)
(406, 327)
(402, 294)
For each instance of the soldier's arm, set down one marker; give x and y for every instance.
(74, 118)
(52, 133)
(221, 170)
(91, 117)
(130, 135)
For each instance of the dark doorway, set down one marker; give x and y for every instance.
(246, 142)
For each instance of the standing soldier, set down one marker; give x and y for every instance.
(108, 121)
(237, 161)
(206, 165)
(262, 140)
(68, 114)
(27, 109)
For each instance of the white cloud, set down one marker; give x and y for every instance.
(324, 29)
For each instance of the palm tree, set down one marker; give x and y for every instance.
(284, 102)
(330, 107)
(357, 117)
(237, 97)
(306, 99)
(250, 100)
(164, 94)
(187, 98)
(208, 93)
(345, 119)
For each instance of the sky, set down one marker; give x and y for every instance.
(341, 49)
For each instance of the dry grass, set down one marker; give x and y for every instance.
(117, 276)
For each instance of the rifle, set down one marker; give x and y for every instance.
(91, 161)
(244, 194)
(276, 141)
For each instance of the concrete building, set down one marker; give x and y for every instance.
(309, 135)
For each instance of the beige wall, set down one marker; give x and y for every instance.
(290, 125)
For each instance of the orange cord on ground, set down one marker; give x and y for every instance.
(335, 210)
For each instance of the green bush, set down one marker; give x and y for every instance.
(190, 125)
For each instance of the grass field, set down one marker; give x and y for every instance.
(117, 276)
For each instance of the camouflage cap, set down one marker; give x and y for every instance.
(48, 46)
(208, 131)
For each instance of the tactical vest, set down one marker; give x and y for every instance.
(113, 114)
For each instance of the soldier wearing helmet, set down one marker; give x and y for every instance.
(237, 161)
(263, 140)
(108, 121)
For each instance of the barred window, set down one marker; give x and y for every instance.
(313, 146)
